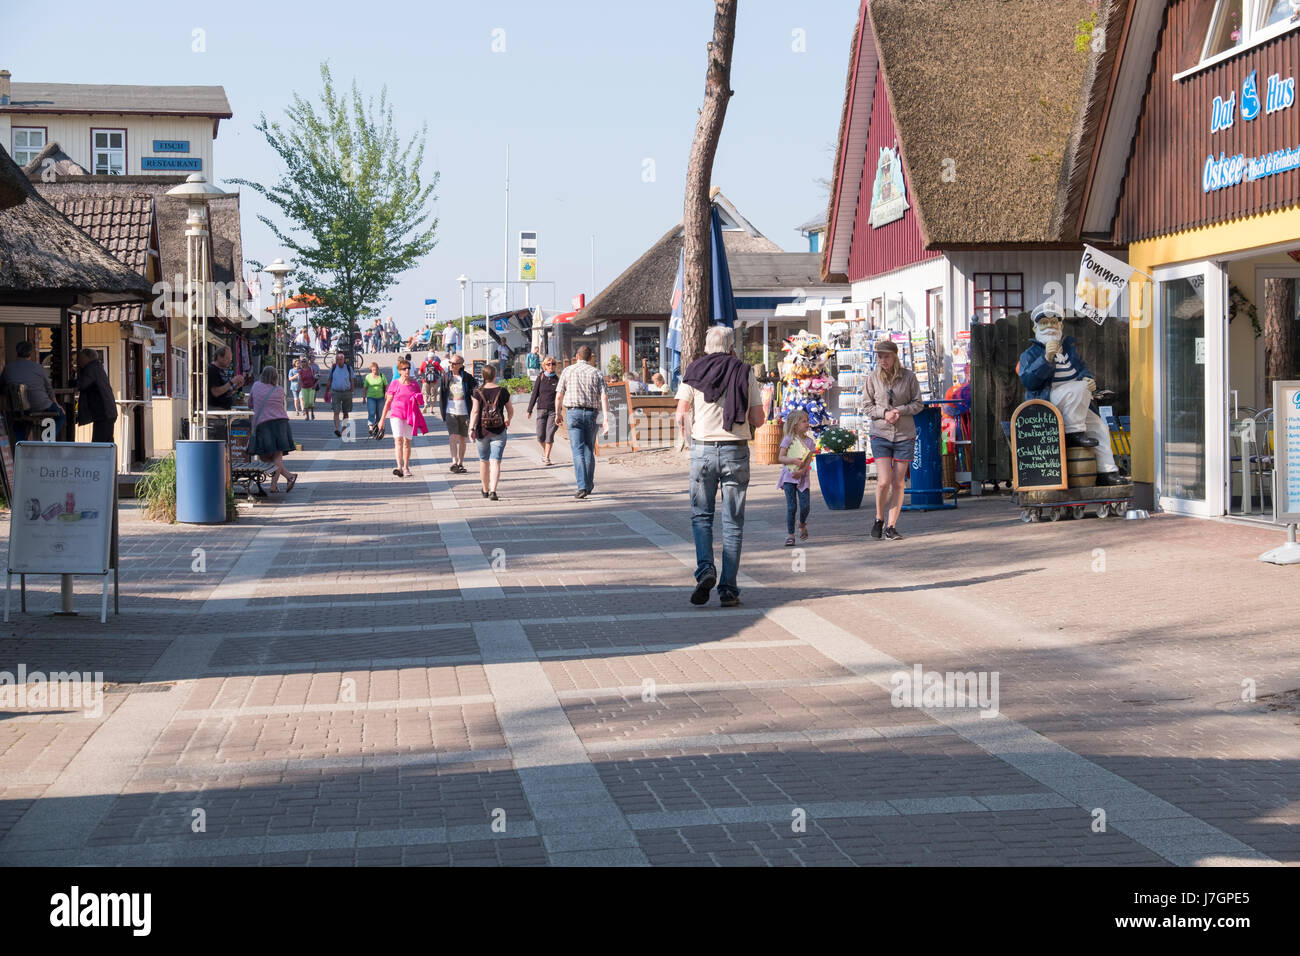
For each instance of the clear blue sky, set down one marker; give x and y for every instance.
(584, 93)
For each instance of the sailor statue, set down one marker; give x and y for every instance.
(1052, 369)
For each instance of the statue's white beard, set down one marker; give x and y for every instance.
(1047, 336)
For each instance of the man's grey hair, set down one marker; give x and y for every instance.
(224, 350)
(719, 338)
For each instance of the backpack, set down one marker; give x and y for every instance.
(431, 374)
(492, 419)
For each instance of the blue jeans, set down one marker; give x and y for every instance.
(581, 424)
(373, 407)
(713, 466)
(793, 494)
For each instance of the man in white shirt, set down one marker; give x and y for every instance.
(722, 395)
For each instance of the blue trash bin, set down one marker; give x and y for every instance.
(201, 482)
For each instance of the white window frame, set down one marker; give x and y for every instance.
(1252, 19)
(94, 165)
(13, 142)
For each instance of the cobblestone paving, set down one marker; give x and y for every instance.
(383, 671)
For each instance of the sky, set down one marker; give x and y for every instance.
(597, 102)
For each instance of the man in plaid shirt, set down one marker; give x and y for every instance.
(580, 389)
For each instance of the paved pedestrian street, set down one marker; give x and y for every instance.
(374, 670)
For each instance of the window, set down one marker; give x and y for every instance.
(1237, 23)
(28, 141)
(108, 151)
(934, 309)
(645, 348)
(998, 294)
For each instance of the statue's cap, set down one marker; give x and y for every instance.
(1048, 310)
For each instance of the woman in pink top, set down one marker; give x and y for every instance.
(402, 409)
(271, 438)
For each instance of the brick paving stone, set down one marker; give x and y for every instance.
(313, 713)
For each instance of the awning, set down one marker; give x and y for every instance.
(799, 309)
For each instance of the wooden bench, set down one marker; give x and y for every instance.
(245, 472)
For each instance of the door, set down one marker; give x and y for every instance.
(1191, 389)
(135, 392)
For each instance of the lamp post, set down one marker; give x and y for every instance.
(278, 270)
(462, 279)
(196, 192)
(487, 337)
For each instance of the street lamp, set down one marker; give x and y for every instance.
(462, 279)
(195, 192)
(487, 338)
(278, 270)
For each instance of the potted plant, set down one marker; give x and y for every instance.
(841, 472)
(615, 369)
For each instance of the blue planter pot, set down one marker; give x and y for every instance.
(842, 479)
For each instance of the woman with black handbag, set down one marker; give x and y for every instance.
(489, 421)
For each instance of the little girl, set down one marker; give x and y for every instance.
(797, 449)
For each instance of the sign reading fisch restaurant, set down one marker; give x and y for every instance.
(166, 163)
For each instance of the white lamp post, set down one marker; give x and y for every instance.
(487, 338)
(278, 270)
(462, 279)
(195, 192)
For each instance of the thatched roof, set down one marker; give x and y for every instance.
(42, 253)
(52, 163)
(999, 88)
(645, 288)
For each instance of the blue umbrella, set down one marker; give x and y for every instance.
(722, 302)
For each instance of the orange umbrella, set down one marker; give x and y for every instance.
(299, 302)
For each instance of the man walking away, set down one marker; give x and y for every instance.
(340, 390)
(722, 394)
(95, 404)
(457, 394)
(580, 389)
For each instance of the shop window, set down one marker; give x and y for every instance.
(28, 141)
(1237, 23)
(1227, 29)
(645, 348)
(998, 294)
(109, 151)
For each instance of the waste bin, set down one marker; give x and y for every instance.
(201, 482)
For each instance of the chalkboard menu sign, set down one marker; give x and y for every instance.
(1038, 447)
(478, 370)
(620, 415)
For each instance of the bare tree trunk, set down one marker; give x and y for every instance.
(717, 92)
(1279, 333)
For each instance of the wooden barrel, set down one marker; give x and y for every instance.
(1081, 465)
(950, 471)
(767, 443)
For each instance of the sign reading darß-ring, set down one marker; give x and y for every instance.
(1286, 444)
(61, 516)
(1038, 447)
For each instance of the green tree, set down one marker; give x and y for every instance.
(352, 195)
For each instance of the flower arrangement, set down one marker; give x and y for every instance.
(836, 440)
(806, 379)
